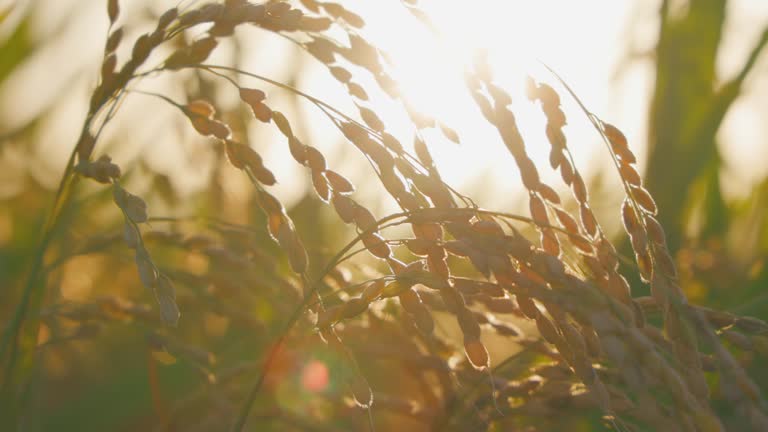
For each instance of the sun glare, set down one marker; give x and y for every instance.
(517, 38)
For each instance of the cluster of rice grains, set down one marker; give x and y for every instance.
(595, 352)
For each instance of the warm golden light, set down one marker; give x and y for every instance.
(229, 210)
(517, 38)
(585, 42)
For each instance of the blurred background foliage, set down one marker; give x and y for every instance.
(111, 376)
(721, 243)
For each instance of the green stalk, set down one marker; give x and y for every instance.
(18, 342)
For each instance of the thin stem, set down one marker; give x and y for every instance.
(598, 124)
(283, 86)
(313, 288)
(10, 340)
(161, 96)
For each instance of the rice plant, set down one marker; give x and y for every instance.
(389, 329)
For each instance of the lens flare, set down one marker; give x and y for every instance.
(315, 376)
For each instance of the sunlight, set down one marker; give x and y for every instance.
(517, 38)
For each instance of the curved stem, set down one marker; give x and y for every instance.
(34, 288)
(32, 294)
(243, 416)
